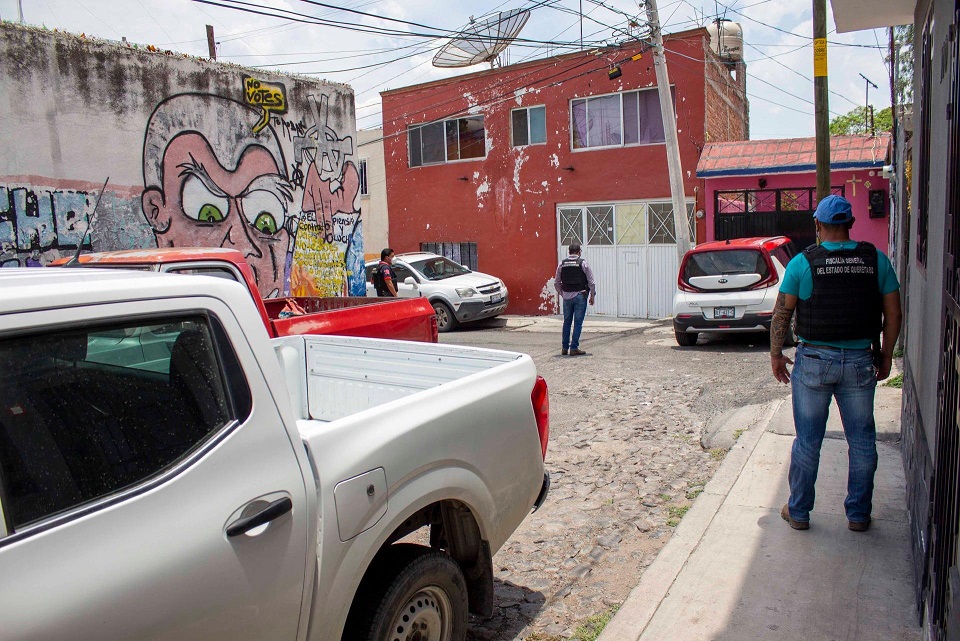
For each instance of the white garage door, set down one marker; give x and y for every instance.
(633, 253)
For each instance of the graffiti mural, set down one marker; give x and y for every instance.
(37, 225)
(260, 163)
(215, 175)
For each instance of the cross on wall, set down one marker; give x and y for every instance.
(853, 184)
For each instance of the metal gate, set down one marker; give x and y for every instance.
(943, 587)
(632, 251)
(746, 213)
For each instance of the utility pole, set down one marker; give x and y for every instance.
(680, 226)
(820, 99)
(20, 10)
(581, 24)
(211, 42)
(868, 111)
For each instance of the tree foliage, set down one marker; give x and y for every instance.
(858, 122)
(903, 81)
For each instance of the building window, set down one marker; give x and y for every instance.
(363, 177)
(529, 126)
(461, 253)
(617, 120)
(446, 141)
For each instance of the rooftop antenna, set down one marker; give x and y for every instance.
(75, 261)
(868, 112)
(482, 41)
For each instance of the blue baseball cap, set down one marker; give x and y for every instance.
(834, 210)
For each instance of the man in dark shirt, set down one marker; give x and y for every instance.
(383, 277)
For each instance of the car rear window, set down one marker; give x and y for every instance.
(726, 262)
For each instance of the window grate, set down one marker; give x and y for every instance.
(462, 253)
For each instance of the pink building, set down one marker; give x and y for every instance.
(768, 187)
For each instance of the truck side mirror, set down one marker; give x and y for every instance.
(410, 281)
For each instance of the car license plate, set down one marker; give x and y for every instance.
(496, 298)
(724, 312)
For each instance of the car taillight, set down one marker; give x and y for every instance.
(434, 329)
(770, 280)
(683, 285)
(541, 411)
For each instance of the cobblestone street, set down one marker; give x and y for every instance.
(625, 457)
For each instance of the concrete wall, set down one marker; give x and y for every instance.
(873, 230)
(924, 311)
(374, 204)
(197, 154)
(507, 201)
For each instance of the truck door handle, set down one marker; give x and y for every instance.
(272, 511)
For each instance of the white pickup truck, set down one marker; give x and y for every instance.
(169, 472)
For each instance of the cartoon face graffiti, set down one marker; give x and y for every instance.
(210, 181)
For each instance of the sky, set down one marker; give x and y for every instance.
(777, 42)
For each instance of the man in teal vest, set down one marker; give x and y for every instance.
(846, 297)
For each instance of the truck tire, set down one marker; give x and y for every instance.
(446, 320)
(685, 339)
(412, 592)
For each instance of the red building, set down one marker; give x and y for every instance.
(503, 168)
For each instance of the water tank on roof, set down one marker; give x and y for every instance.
(726, 40)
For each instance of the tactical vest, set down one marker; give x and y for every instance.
(846, 303)
(379, 282)
(572, 276)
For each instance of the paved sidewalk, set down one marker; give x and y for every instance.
(734, 570)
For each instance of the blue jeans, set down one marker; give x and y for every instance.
(819, 374)
(573, 312)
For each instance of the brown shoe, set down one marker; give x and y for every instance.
(577, 352)
(858, 526)
(564, 352)
(796, 525)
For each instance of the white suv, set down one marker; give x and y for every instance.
(457, 294)
(730, 286)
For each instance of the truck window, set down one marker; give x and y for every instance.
(88, 412)
(217, 272)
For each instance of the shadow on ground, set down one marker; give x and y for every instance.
(486, 323)
(712, 342)
(514, 607)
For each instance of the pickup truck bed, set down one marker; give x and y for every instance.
(348, 376)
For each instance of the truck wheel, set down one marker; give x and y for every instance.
(446, 321)
(413, 594)
(685, 339)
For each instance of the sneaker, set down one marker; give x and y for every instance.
(796, 525)
(577, 352)
(564, 352)
(858, 526)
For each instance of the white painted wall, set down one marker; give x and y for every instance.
(373, 206)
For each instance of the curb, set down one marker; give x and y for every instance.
(641, 605)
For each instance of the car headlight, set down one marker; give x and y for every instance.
(466, 292)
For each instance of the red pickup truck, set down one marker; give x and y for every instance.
(411, 319)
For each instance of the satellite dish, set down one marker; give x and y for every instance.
(482, 41)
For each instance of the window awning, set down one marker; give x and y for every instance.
(856, 15)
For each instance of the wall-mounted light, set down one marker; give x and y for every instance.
(463, 178)
(570, 168)
(614, 72)
(763, 183)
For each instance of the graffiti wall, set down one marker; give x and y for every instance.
(191, 153)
